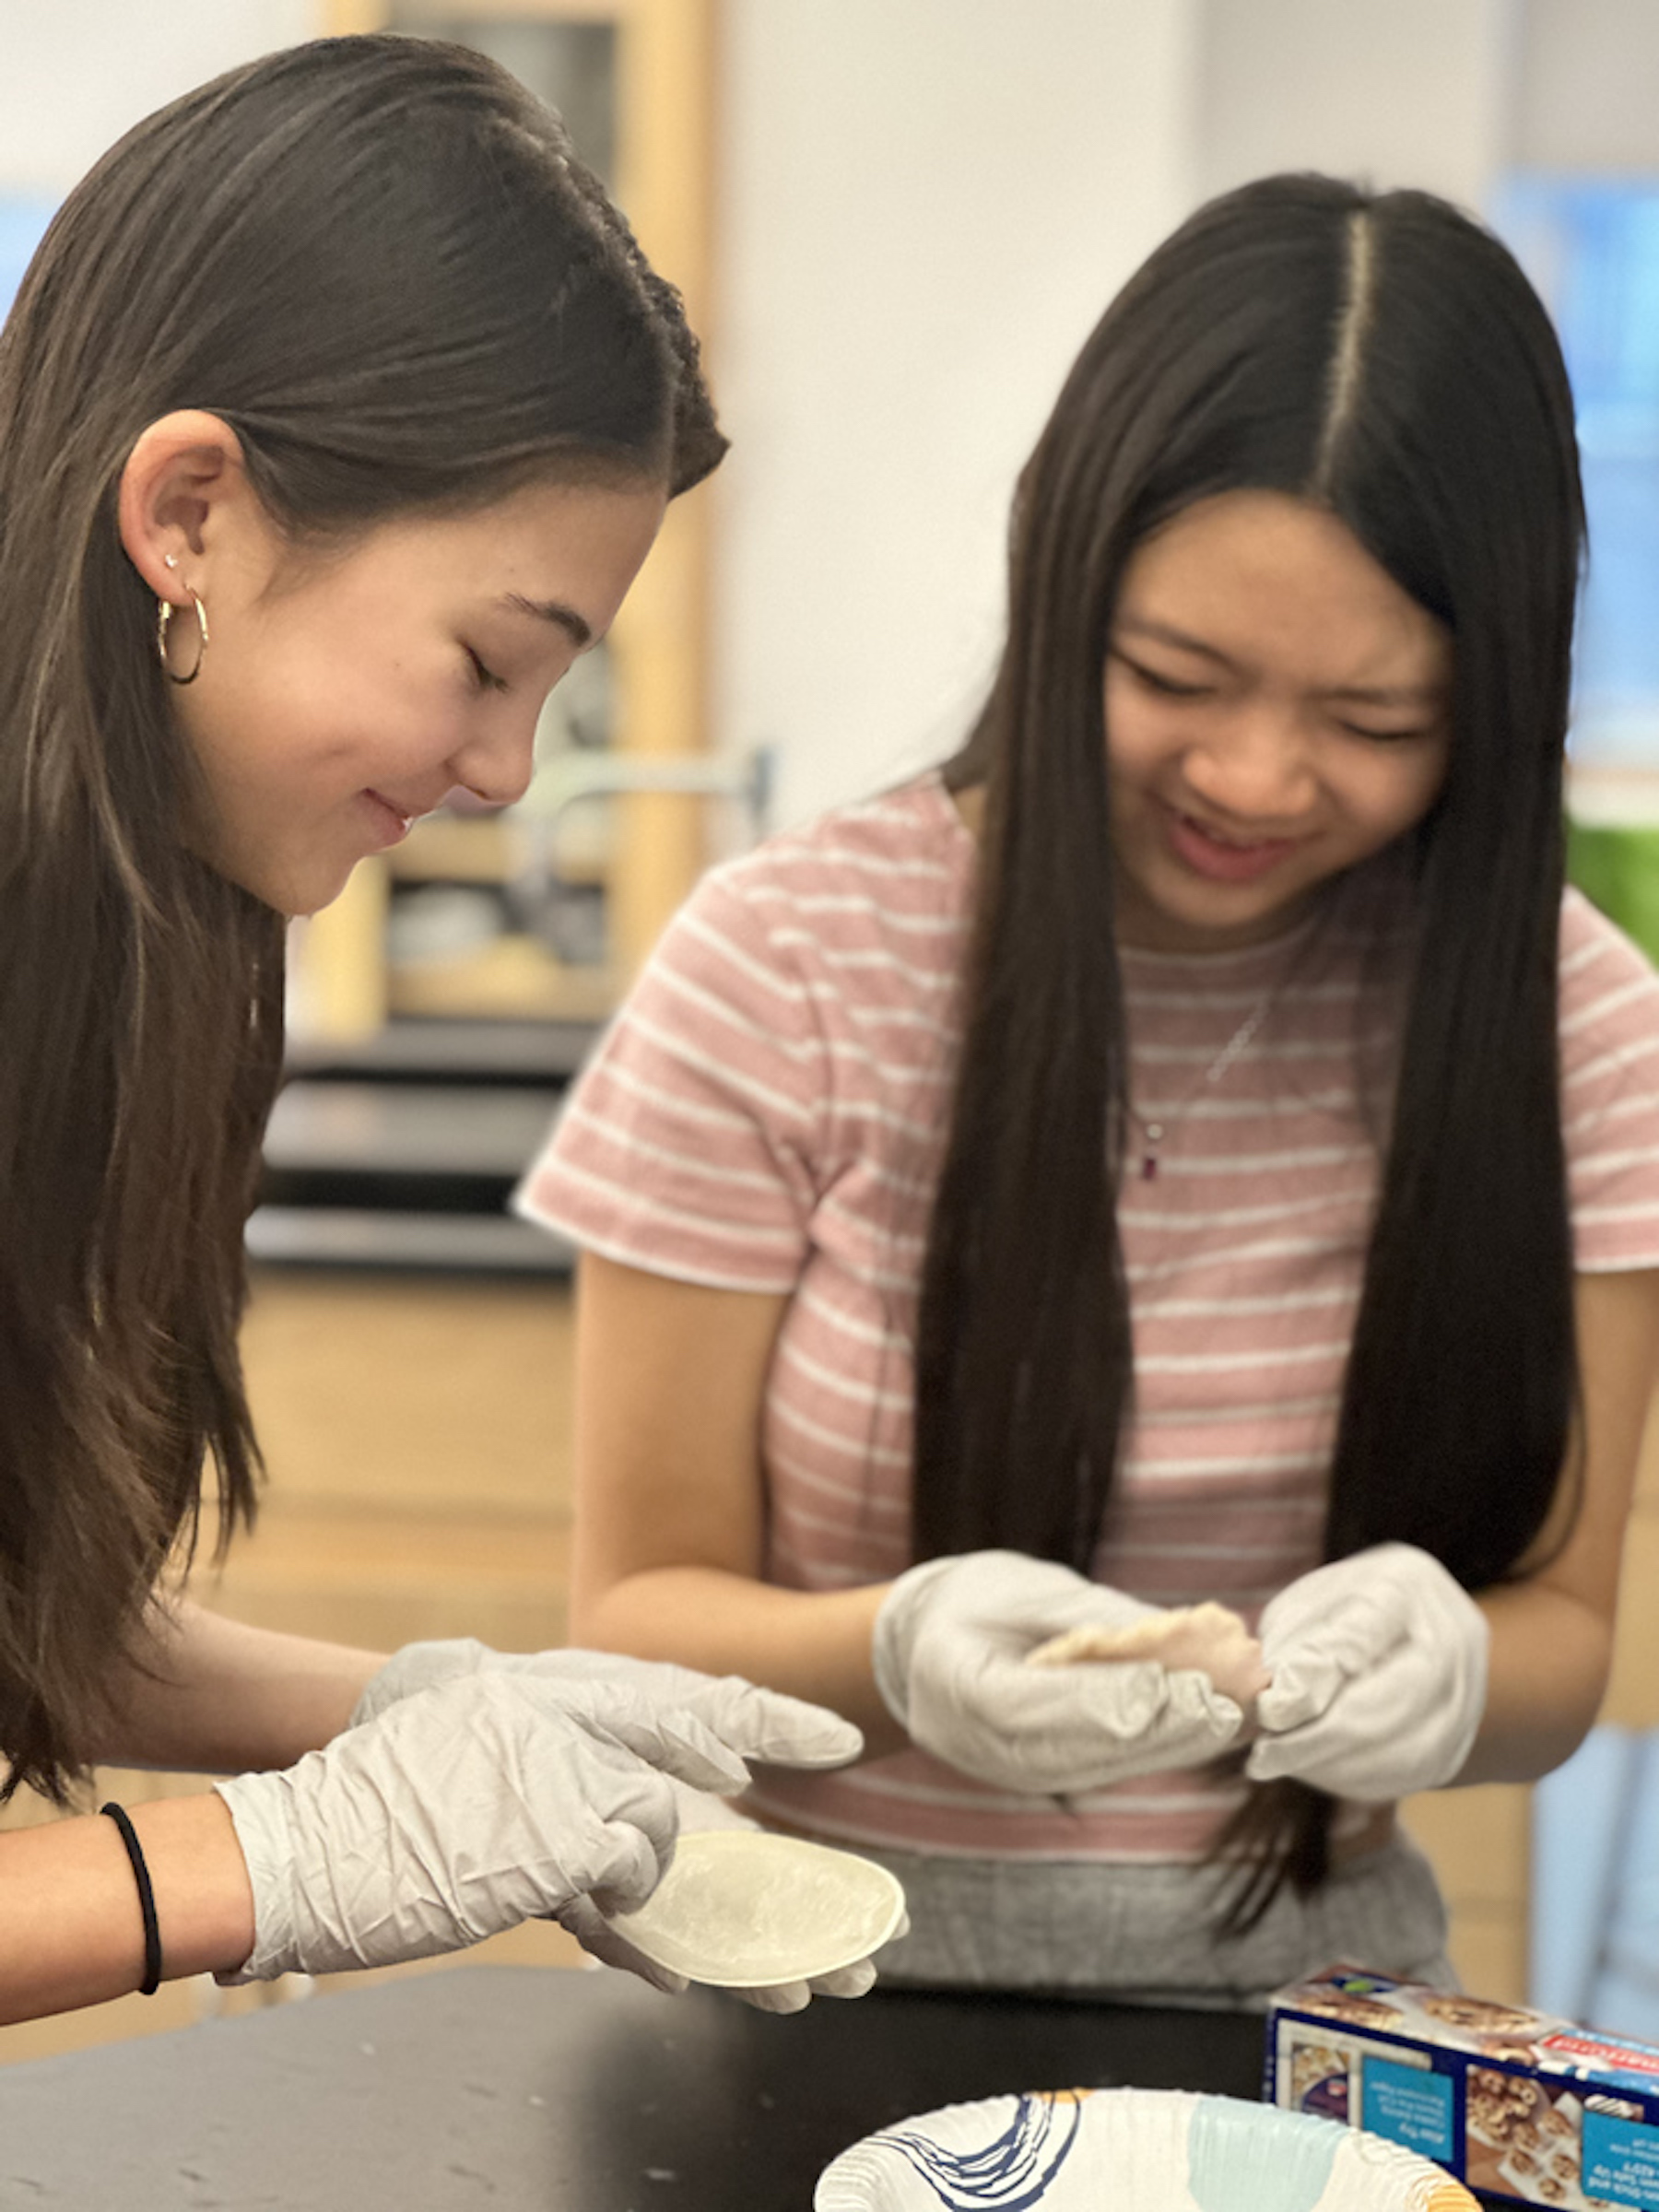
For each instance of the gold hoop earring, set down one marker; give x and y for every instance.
(166, 615)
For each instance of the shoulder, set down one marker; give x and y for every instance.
(1609, 1045)
(888, 879)
(906, 850)
(1610, 992)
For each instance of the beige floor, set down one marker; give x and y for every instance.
(416, 1437)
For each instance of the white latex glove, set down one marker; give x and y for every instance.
(950, 1651)
(419, 1666)
(654, 1683)
(1379, 1666)
(492, 1799)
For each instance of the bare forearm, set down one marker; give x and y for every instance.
(221, 1697)
(71, 1929)
(812, 1644)
(1546, 1674)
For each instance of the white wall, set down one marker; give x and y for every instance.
(1391, 91)
(1587, 85)
(76, 74)
(925, 205)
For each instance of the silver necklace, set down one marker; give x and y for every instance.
(1154, 1133)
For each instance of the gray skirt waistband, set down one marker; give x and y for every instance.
(1152, 1934)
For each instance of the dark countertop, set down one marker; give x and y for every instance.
(548, 2092)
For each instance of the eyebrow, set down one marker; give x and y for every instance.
(1379, 695)
(551, 610)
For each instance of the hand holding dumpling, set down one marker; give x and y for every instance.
(1379, 1666)
(952, 1644)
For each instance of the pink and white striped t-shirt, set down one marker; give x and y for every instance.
(767, 1114)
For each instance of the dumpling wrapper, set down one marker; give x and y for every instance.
(1212, 1638)
(741, 1909)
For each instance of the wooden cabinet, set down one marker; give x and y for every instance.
(413, 933)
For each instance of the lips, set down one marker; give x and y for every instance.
(389, 822)
(1224, 858)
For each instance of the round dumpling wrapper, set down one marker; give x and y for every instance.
(743, 1909)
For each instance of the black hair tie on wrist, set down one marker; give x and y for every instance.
(146, 1900)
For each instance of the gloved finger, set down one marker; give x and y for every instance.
(1194, 1701)
(1272, 1758)
(765, 1725)
(1342, 1609)
(1363, 1709)
(846, 1981)
(1122, 1698)
(416, 1667)
(625, 1863)
(603, 1940)
(699, 1812)
(1300, 1690)
(659, 1680)
(779, 1996)
(1356, 1771)
(669, 1738)
(1311, 1666)
(1195, 1725)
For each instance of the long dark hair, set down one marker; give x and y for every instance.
(378, 260)
(1383, 357)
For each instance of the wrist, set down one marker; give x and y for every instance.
(893, 1632)
(199, 1878)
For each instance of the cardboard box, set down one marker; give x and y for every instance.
(1514, 2103)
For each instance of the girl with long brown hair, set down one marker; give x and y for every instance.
(337, 411)
(1190, 1148)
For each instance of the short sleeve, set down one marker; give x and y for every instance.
(1609, 1031)
(688, 1145)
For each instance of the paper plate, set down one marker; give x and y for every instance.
(1135, 2150)
(742, 1907)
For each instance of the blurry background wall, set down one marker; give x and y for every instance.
(921, 209)
(74, 74)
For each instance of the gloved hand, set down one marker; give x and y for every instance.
(419, 1666)
(950, 1651)
(492, 1799)
(1379, 1666)
(656, 1685)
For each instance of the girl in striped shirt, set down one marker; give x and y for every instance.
(1188, 1149)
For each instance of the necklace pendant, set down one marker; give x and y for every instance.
(1149, 1158)
(1153, 1134)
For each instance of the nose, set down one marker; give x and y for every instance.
(1255, 767)
(496, 764)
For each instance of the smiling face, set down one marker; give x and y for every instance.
(1277, 710)
(341, 698)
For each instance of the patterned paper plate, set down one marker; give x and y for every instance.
(1132, 2150)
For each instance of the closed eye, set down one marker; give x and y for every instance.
(1166, 687)
(485, 678)
(1390, 737)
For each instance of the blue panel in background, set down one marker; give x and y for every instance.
(22, 224)
(1594, 1952)
(1592, 247)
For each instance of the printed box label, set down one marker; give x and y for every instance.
(1606, 2056)
(1621, 2161)
(1402, 2104)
